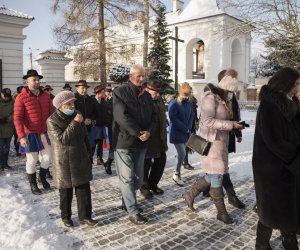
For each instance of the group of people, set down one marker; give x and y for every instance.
(67, 128)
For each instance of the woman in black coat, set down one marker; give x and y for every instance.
(276, 159)
(71, 163)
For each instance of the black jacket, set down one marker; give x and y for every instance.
(276, 160)
(133, 112)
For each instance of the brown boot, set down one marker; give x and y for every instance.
(198, 186)
(218, 198)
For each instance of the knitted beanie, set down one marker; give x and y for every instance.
(228, 83)
(62, 98)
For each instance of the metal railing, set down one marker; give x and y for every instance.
(248, 105)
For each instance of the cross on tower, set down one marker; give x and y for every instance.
(176, 39)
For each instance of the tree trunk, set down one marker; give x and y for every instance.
(146, 34)
(102, 49)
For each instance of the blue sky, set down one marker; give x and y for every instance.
(39, 32)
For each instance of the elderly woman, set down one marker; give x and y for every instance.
(71, 162)
(276, 159)
(215, 125)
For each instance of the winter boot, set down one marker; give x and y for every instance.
(235, 201)
(198, 186)
(289, 241)
(48, 175)
(42, 176)
(33, 185)
(217, 196)
(100, 161)
(107, 166)
(263, 236)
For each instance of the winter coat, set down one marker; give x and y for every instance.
(276, 160)
(133, 112)
(70, 151)
(181, 118)
(104, 115)
(31, 112)
(215, 126)
(7, 118)
(86, 105)
(158, 140)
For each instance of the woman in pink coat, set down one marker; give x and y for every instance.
(215, 124)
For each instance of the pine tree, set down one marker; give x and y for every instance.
(159, 54)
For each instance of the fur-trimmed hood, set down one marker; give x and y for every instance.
(288, 108)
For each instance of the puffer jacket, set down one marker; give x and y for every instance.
(6, 112)
(31, 112)
(70, 151)
(215, 125)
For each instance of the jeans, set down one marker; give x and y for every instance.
(180, 148)
(130, 170)
(215, 180)
(4, 150)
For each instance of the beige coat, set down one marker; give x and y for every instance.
(215, 126)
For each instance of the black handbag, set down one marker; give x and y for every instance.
(198, 144)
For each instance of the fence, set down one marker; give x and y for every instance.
(248, 105)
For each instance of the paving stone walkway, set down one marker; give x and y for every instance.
(171, 225)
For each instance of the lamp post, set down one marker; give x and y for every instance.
(30, 56)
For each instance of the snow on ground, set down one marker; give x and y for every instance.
(26, 220)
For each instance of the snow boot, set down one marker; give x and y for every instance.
(48, 175)
(33, 185)
(217, 196)
(42, 176)
(198, 186)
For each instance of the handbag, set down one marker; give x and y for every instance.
(198, 144)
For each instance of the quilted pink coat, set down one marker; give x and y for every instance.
(215, 126)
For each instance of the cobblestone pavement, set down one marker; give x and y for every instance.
(171, 225)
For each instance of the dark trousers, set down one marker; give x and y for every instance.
(153, 170)
(4, 150)
(84, 202)
(227, 184)
(99, 145)
(16, 143)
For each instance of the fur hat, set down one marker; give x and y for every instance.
(228, 83)
(185, 88)
(62, 98)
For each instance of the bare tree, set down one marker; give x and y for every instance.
(83, 26)
(277, 21)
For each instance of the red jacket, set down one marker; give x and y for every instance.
(31, 112)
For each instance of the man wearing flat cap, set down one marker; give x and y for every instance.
(32, 108)
(155, 159)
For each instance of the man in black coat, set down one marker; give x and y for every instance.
(134, 121)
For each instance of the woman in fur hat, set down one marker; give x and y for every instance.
(276, 159)
(215, 125)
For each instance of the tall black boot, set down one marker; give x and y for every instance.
(218, 198)
(263, 236)
(107, 166)
(198, 186)
(45, 183)
(289, 241)
(33, 185)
